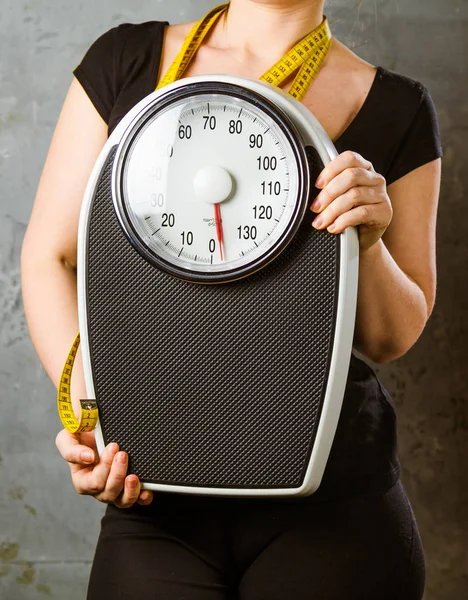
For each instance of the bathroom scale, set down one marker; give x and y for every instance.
(216, 323)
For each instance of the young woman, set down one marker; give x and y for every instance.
(356, 537)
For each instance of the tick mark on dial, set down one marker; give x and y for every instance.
(240, 113)
(156, 231)
(166, 243)
(180, 251)
(211, 259)
(255, 243)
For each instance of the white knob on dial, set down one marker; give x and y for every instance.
(212, 184)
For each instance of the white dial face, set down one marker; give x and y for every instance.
(211, 183)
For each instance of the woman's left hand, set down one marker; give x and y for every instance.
(352, 193)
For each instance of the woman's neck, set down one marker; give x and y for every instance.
(255, 30)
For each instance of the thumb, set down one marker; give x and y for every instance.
(72, 450)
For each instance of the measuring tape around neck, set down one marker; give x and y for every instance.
(306, 57)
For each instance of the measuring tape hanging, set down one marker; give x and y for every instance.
(306, 57)
(89, 411)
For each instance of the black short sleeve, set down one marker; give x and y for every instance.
(421, 143)
(97, 71)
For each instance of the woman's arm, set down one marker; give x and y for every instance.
(397, 270)
(48, 255)
(397, 285)
(49, 288)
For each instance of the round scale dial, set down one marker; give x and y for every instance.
(211, 186)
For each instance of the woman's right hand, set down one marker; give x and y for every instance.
(104, 477)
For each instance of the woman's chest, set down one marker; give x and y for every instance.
(334, 101)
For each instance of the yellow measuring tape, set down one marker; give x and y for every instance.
(89, 411)
(306, 57)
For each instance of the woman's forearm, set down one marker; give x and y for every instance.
(50, 304)
(391, 308)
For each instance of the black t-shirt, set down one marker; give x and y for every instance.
(396, 129)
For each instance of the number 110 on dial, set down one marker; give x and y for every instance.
(212, 184)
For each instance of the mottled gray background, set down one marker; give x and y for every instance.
(47, 532)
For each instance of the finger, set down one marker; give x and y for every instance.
(356, 196)
(72, 450)
(342, 183)
(145, 498)
(343, 161)
(361, 215)
(116, 478)
(130, 493)
(93, 481)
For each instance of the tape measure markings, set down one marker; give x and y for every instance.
(89, 410)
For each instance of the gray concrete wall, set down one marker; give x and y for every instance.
(47, 532)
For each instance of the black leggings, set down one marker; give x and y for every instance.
(206, 548)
